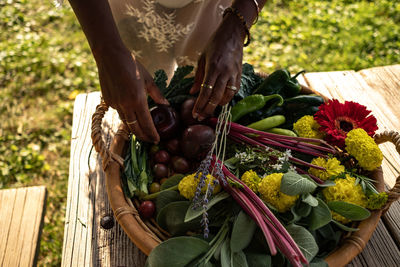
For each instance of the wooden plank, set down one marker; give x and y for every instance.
(392, 221)
(381, 250)
(22, 229)
(86, 243)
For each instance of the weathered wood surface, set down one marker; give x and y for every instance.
(21, 219)
(86, 243)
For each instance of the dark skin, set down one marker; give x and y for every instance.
(125, 83)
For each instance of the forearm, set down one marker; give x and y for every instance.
(248, 9)
(98, 25)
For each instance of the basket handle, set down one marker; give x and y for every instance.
(97, 140)
(393, 137)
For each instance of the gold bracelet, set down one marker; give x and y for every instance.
(258, 10)
(241, 18)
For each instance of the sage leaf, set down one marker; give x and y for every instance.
(320, 215)
(172, 181)
(166, 197)
(310, 200)
(238, 259)
(318, 262)
(304, 239)
(226, 254)
(294, 184)
(242, 232)
(177, 251)
(344, 227)
(171, 218)
(348, 210)
(194, 213)
(259, 260)
(303, 209)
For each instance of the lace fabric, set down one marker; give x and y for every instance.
(163, 34)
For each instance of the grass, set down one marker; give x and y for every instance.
(45, 61)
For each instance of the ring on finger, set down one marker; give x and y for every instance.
(131, 122)
(212, 104)
(206, 86)
(232, 87)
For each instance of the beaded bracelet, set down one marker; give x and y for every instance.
(241, 18)
(258, 10)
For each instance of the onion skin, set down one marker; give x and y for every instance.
(166, 121)
(196, 141)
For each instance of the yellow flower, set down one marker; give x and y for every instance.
(332, 166)
(363, 147)
(251, 179)
(345, 190)
(269, 189)
(188, 185)
(306, 126)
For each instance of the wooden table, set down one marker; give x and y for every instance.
(86, 243)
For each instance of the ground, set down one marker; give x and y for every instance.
(45, 62)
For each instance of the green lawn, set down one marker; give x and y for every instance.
(45, 61)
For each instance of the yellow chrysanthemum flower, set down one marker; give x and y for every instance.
(306, 126)
(188, 185)
(332, 166)
(251, 179)
(345, 190)
(269, 189)
(363, 147)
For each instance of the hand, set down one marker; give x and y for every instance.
(219, 68)
(124, 85)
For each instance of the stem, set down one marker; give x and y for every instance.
(315, 178)
(155, 195)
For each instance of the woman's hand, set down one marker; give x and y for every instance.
(219, 68)
(125, 84)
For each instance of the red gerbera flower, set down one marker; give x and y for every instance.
(337, 119)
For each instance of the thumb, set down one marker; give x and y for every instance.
(156, 94)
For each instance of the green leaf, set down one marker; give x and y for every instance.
(310, 200)
(171, 218)
(238, 259)
(344, 227)
(348, 210)
(303, 209)
(172, 181)
(194, 213)
(318, 262)
(304, 240)
(294, 184)
(166, 197)
(177, 251)
(226, 254)
(259, 260)
(242, 232)
(327, 183)
(320, 215)
(160, 79)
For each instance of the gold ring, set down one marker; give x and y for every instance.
(206, 86)
(131, 122)
(212, 104)
(233, 88)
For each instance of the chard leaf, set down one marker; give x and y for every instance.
(177, 251)
(304, 239)
(350, 211)
(294, 184)
(194, 213)
(320, 215)
(242, 232)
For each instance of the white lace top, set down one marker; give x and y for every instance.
(165, 33)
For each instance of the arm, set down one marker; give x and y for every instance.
(124, 81)
(220, 65)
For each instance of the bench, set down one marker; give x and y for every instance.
(87, 243)
(21, 220)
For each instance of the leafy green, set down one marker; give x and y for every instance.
(259, 259)
(171, 218)
(242, 232)
(348, 210)
(320, 215)
(294, 184)
(172, 181)
(226, 254)
(344, 227)
(249, 81)
(304, 240)
(166, 197)
(310, 200)
(177, 251)
(238, 259)
(194, 213)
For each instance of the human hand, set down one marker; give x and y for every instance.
(219, 68)
(125, 84)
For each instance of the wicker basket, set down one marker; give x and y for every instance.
(146, 235)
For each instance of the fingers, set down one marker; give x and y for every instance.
(232, 88)
(134, 127)
(155, 93)
(206, 89)
(215, 98)
(146, 122)
(198, 78)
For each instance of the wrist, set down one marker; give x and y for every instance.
(101, 49)
(240, 25)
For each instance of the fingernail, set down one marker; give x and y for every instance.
(201, 118)
(195, 115)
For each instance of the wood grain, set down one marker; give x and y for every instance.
(21, 219)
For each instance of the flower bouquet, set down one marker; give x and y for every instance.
(279, 176)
